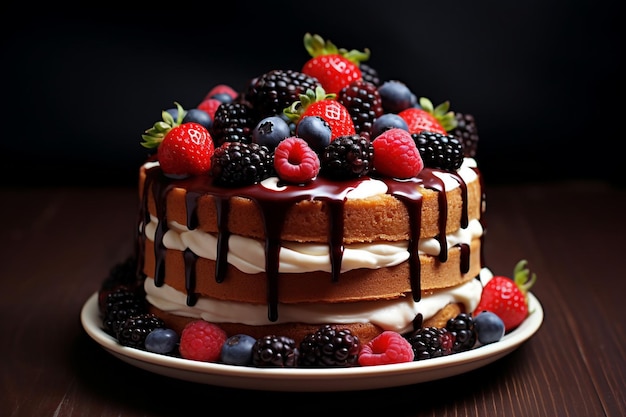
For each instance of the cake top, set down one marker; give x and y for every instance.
(333, 117)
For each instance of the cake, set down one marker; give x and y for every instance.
(369, 237)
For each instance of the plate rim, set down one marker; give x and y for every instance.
(306, 379)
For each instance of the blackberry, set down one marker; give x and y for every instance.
(329, 347)
(275, 352)
(118, 306)
(276, 90)
(134, 330)
(364, 104)
(233, 122)
(122, 275)
(237, 164)
(349, 156)
(439, 151)
(369, 74)
(467, 132)
(430, 342)
(462, 329)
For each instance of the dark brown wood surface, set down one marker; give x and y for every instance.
(58, 244)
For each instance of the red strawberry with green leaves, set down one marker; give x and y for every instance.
(426, 117)
(334, 68)
(318, 103)
(183, 149)
(508, 297)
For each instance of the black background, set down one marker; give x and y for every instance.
(544, 79)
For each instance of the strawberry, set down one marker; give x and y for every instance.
(186, 150)
(334, 68)
(508, 297)
(426, 117)
(183, 149)
(318, 103)
(209, 105)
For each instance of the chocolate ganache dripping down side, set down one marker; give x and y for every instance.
(274, 205)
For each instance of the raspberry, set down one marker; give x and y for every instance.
(388, 347)
(295, 161)
(202, 341)
(396, 154)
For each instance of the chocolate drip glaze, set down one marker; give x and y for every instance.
(273, 206)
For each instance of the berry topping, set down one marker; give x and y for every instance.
(202, 341)
(233, 122)
(489, 327)
(329, 347)
(439, 150)
(186, 150)
(347, 157)
(363, 102)
(388, 121)
(237, 350)
(209, 106)
(295, 161)
(396, 155)
(275, 90)
(134, 330)
(236, 164)
(220, 91)
(396, 96)
(430, 342)
(369, 74)
(275, 352)
(507, 297)
(386, 348)
(270, 131)
(426, 117)
(318, 103)
(198, 116)
(161, 340)
(316, 132)
(467, 132)
(334, 68)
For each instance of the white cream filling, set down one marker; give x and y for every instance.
(248, 255)
(396, 315)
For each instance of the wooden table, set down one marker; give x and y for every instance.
(58, 244)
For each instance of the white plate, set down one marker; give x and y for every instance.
(296, 379)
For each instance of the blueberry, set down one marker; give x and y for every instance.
(315, 131)
(161, 340)
(174, 112)
(237, 350)
(198, 116)
(270, 131)
(388, 121)
(489, 327)
(395, 96)
(223, 97)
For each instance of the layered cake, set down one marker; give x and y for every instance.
(313, 196)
